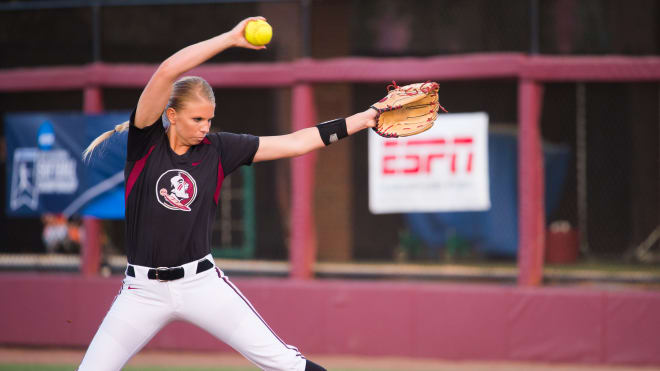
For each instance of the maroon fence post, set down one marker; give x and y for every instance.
(302, 249)
(531, 218)
(90, 256)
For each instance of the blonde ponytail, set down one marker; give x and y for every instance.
(118, 129)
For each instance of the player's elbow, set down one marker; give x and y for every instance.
(297, 145)
(167, 70)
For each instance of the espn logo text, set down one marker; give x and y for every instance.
(422, 156)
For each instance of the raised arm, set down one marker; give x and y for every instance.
(157, 92)
(308, 139)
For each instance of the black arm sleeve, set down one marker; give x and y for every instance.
(235, 149)
(139, 140)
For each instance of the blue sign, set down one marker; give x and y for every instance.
(45, 170)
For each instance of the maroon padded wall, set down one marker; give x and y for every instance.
(414, 319)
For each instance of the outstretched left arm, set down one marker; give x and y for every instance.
(308, 139)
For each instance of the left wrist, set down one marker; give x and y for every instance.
(371, 116)
(229, 39)
(365, 120)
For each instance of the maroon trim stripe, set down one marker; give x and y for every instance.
(238, 292)
(135, 172)
(218, 185)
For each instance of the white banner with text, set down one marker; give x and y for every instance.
(442, 169)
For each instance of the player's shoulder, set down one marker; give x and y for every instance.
(212, 139)
(215, 141)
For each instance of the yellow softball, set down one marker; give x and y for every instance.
(258, 32)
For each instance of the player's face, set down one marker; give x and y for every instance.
(193, 121)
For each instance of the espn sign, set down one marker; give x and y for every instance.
(442, 169)
(419, 160)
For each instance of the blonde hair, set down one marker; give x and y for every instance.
(183, 90)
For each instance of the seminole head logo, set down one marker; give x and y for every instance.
(176, 190)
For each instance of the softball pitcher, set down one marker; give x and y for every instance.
(173, 177)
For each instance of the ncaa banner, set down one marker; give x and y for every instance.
(442, 169)
(45, 172)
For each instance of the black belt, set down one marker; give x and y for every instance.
(170, 274)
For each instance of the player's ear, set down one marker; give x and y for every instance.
(171, 115)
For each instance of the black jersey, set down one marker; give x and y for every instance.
(171, 199)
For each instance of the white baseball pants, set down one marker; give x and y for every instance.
(207, 299)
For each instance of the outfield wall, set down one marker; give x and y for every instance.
(411, 319)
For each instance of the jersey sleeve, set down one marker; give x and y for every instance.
(139, 140)
(235, 149)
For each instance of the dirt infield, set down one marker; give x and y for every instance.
(173, 359)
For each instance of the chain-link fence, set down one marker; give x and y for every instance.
(611, 199)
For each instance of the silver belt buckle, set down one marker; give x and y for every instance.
(161, 269)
